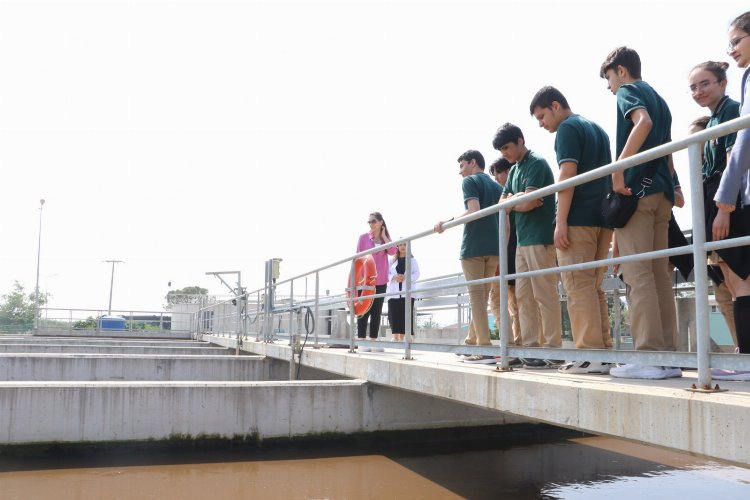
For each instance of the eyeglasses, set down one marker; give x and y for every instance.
(701, 86)
(734, 42)
(373, 221)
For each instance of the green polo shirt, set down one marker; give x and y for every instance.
(715, 151)
(481, 236)
(535, 227)
(586, 144)
(636, 95)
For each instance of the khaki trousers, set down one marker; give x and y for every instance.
(587, 304)
(477, 268)
(653, 319)
(538, 300)
(515, 323)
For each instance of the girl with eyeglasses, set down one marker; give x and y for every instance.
(377, 235)
(397, 284)
(708, 85)
(733, 196)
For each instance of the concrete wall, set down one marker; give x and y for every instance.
(125, 334)
(40, 412)
(115, 367)
(70, 346)
(659, 413)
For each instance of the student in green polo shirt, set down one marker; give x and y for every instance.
(537, 297)
(479, 246)
(643, 122)
(580, 232)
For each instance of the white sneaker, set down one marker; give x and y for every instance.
(640, 371)
(484, 360)
(672, 371)
(720, 374)
(585, 367)
(363, 349)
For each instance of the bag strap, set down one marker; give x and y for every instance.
(647, 180)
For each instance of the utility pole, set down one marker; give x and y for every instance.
(111, 283)
(38, 256)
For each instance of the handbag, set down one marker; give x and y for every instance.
(618, 208)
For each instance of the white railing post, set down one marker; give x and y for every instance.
(702, 326)
(504, 316)
(409, 312)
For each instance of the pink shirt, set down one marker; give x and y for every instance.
(381, 258)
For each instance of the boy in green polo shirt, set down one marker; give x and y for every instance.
(580, 232)
(643, 122)
(537, 297)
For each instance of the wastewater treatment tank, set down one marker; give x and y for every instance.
(110, 323)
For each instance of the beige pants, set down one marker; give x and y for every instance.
(477, 268)
(653, 319)
(515, 323)
(587, 304)
(538, 299)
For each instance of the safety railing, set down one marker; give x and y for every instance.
(260, 303)
(100, 321)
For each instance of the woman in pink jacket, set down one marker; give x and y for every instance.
(377, 235)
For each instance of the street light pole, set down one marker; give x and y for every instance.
(38, 256)
(111, 284)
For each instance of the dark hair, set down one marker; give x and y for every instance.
(396, 255)
(625, 57)
(505, 134)
(719, 69)
(500, 165)
(742, 22)
(545, 97)
(472, 154)
(701, 122)
(379, 217)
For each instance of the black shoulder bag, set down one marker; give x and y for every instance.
(617, 208)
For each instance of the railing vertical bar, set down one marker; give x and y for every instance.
(352, 299)
(504, 315)
(409, 310)
(699, 269)
(317, 309)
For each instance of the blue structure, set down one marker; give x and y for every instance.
(110, 323)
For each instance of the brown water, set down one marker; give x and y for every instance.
(585, 467)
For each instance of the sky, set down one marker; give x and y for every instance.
(185, 137)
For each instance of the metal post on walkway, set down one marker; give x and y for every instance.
(239, 296)
(503, 289)
(291, 311)
(352, 317)
(317, 309)
(409, 312)
(702, 326)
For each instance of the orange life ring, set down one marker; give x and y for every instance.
(365, 274)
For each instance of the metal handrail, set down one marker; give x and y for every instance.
(698, 248)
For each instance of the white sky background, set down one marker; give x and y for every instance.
(186, 137)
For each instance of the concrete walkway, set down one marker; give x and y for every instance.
(657, 412)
